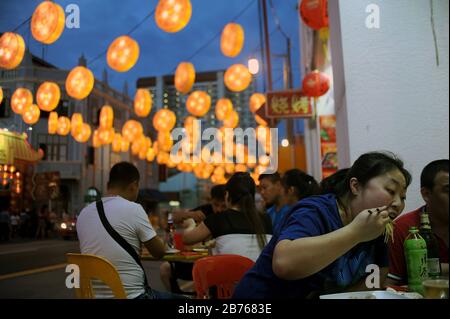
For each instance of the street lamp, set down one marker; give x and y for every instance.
(253, 66)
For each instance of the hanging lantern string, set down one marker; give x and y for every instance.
(259, 46)
(277, 20)
(278, 80)
(148, 16)
(22, 24)
(218, 34)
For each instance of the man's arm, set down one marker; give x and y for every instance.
(156, 247)
(181, 215)
(197, 235)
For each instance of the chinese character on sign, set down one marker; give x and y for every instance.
(288, 104)
(300, 104)
(280, 105)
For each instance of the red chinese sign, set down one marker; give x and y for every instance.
(288, 104)
(328, 144)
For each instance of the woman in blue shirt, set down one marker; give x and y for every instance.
(326, 242)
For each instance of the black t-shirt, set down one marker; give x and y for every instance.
(234, 222)
(206, 209)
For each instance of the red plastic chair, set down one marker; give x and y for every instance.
(222, 272)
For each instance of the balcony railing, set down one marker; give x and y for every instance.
(68, 170)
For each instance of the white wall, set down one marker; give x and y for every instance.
(389, 92)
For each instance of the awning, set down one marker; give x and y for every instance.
(14, 146)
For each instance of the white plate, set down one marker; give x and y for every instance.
(379, 294)
(172, 251)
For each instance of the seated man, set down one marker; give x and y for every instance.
(130, 221)
(434, 189)
(215, 205)
(273, 193)
(172, 271)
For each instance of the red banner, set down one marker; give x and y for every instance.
(328, 145)
(288, 104)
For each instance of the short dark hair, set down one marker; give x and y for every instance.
(123, 174)
(274, 178)
(431, 170)
(305, 185)
(218, 192)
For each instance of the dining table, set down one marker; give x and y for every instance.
(174, 255)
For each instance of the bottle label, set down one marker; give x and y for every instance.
(416, 261)
(434, 267)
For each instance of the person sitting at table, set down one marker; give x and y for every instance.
(241, 229)
(170, 272)
(272, 191)
(434, 189)
(297, 185)
(216, 205)
(130, 221)
(327, 241)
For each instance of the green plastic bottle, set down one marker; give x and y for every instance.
(416, 260)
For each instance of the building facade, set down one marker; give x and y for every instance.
(165, 95)
(193, 191)
(80, 165)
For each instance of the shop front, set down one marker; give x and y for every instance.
(17, 165)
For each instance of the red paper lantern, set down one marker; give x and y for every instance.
(47, 22)
(21, 99)
(314, 13)
(31, 114)
(173, 15)
(132, 130)
(106, 117)
(123, 54)
(151, 154)
(256, 101)
(79, 82)
(83, 135)
(316, 84)
(224, 107)
(76, 124)
(232, 121)
(48, 96)
(106, 135)
(52, 123)
(232, 40)
(143, 102)
(237, 78)
(198, 103)
(63, 126)
(164, 120)
(12, 50)
(184, 77)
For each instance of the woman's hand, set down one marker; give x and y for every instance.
(370, 223)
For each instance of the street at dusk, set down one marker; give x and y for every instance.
(224, 151)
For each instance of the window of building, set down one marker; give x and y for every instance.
(55, 147)
(4, 106)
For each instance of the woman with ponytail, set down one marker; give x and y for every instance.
(241, 229)
(298, 185)
(326, 242)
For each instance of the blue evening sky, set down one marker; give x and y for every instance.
(101, 21)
